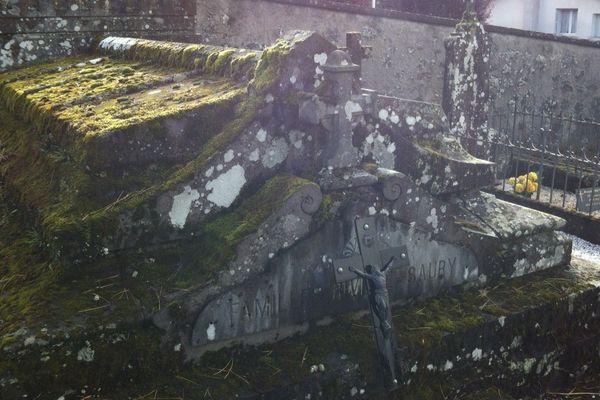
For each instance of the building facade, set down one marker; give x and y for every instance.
(579, 18)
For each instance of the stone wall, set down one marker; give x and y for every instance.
(407, 58)
(561, 77)
(408, 50)
(31, 30)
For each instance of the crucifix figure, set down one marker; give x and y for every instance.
(378, 296)
(375, 262)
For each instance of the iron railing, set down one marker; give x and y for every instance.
(562, 151)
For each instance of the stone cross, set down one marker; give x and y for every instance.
(339, 75)
(358, 53)
(368, 255)
(381, 317)
(470, 6)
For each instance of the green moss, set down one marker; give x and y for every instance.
(35, 289)
(325, 212)
(489, 394)
(270, 65)
(235, 225)
(431, 144)
(71, 107)
(206, 59)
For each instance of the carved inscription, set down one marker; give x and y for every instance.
(440, 270)
(259, 307)
(354, 288)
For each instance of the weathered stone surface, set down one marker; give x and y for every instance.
(425, 149)
(300, 285)
(467, 91)
(128, 100)
(255, 156)
(134, 127)
(340, 178)
(447, 244)
(509, 220)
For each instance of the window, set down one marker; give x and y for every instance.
(596, 26)
(566, 20)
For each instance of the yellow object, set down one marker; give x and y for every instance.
(524, 183)
(519, 188)
(533, 176)
(531, 186)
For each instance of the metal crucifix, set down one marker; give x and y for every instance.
(374, 263)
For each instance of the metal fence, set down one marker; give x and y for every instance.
(552, 159)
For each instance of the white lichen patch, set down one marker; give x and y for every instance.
(502, 321)
(29, 341)
(261, 135)
(448, 365)
(477, 354)
(254, 155)
(432, 218)
(275, 154)
(320, 58)
(350, 108)
(229, 155)
(182, 204)
(117, 43)
(425, 178)
(383, 114)
(211, 333)
(226, 187)
(86, 353)
(296, 138)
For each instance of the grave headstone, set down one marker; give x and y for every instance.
(588, 199)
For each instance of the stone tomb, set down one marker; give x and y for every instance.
(391, 158)
(272, 154)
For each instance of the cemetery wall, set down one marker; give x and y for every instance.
(408, 56)
(32, 30)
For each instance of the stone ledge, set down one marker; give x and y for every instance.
(523, 333)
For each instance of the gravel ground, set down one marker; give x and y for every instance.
(557, 197)
(585, 250)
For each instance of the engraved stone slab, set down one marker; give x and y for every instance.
(301, 285)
